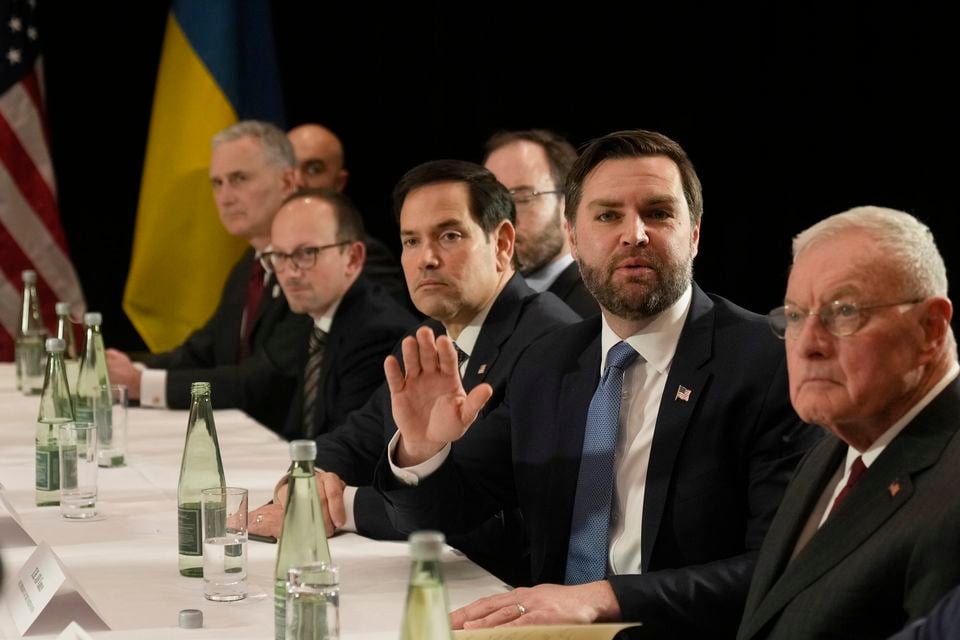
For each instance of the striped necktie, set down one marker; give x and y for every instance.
(311, 380)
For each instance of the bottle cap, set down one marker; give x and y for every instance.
(91, 318)
(191, 619)
(63, 308)
(29, 277)
(426, 545)
(199, 388)
(303, 450)
(55, 345)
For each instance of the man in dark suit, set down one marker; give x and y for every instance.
(251, 171)
(317, 252)
(321, 165)
(647, 494)
(457, 236)
(533, 164)
(866, 538)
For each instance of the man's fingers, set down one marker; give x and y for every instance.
(427, 345)
(394, 374)
(411, 356)
(478, 609)
(447, 356)
(331, 489)
(475, 400)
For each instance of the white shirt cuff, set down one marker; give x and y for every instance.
(349, 496)
(412, 476)
(153, 388)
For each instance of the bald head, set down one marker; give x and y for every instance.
(319, 157)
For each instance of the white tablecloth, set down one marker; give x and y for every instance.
(125, 560)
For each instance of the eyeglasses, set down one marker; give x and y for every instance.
(840, 318)
(303, 258)
(526, 196)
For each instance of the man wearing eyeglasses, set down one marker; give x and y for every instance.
(252, 169)
(533, 164)
(321, 165)
(317, 254)
(866, 538)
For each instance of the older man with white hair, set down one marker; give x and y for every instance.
(868, 534)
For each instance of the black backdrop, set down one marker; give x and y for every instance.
(789, 113)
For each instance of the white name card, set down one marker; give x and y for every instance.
(34, 587)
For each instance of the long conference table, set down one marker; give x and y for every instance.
(122, 565)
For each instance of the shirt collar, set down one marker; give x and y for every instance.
(541, 279)
(468, 336)
(325, 321)
(870, 455)
(657, 342)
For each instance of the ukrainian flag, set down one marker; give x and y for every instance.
(217, 67)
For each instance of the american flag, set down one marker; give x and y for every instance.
(30, 233)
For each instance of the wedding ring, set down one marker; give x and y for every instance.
(521, 609)
(259, 518)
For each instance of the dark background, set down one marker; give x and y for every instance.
(790, 114)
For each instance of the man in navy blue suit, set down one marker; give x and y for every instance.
(676, 402)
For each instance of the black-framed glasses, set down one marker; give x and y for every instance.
(303, 258)
(526, 196)
(840, 317)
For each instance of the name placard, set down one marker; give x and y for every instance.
(34, 586)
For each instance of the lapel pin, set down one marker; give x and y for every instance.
(894, 488)
(276, 291)
(482, 369)
(683, 394)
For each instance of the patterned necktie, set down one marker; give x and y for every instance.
(856, 471)
(590, 526)
(255, 286)
(461, 356)
(311, 380)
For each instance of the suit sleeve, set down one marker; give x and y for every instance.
(714, 593)
(353, 449)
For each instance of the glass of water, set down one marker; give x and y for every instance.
(78, 470)
(224, 527)
(313, 602)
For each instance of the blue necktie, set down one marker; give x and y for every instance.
(590, 527)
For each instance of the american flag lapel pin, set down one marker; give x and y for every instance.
(894, 488)
(482, 369)
(683, 394)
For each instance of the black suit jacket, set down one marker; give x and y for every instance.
(263, 383)
(518, 317)
(887, 554)
(718, 465)
(366, 326)
(569, 287)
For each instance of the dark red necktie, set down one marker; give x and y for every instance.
(254, 296)
(856, 470)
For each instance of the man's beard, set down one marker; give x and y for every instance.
(543, 249)
(671, 280)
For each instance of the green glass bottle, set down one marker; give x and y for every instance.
(427, 615)
(92, 401)
(30, 335)
(304, 538)
(71, 355)
(201, 468)
(55, 409)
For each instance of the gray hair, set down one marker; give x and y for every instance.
(907, 241)
(277, 149)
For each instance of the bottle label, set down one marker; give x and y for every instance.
(48, 469)
(188, 529)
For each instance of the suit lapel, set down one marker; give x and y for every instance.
(681, 395)
(497, 327)
(884, 489)
(576, 391)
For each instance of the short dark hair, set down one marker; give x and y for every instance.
(560, 153)
(636, 143)
(349, 220)
(490, 202)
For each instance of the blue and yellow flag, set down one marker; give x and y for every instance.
(217, 67)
